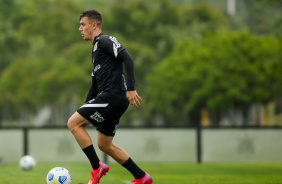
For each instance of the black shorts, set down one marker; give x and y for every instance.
(104, 113)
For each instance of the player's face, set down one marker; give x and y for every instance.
(86, 29)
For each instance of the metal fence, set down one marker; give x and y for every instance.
(149, 144)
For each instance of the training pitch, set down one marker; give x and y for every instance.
(161, 173)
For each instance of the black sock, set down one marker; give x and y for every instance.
(134, 169)
(92, 156)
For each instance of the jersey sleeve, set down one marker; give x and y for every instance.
(125, 57)
(111, 45)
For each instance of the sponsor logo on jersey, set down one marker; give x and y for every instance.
(124, 82)
(116, 45)
(97, 117)
(92, 100)
(95, 47)
(97, 68)
(115, 129)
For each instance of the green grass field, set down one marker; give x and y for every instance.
(161, 173)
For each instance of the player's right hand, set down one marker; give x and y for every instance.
(133, 98)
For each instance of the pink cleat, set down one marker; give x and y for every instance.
(96, 175)
(145, 180)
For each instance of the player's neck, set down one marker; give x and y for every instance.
(96, 33)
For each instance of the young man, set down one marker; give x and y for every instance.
(107, 99)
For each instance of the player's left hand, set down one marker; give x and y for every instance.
(133, 98)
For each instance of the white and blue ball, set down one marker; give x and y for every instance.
(59, 175)
(27, 162)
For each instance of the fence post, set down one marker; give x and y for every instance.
(25, 141)
(105, 158)
(199, 143)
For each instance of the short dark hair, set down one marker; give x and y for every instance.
(92, 15)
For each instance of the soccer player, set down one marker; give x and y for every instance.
(107, 99)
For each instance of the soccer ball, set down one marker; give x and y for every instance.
(59, 175)
(27, 162)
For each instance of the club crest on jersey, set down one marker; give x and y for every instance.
(97, 117)
(95, 47)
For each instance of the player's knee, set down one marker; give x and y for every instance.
(71, 125)
(104, 147)
(101, 146)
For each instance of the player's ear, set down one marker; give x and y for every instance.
(94, 25)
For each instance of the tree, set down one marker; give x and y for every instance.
(221, 71)
(150, 31)
(259, 16)
(35, 77)
(8, 26)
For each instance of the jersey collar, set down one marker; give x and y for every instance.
(96, 38)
